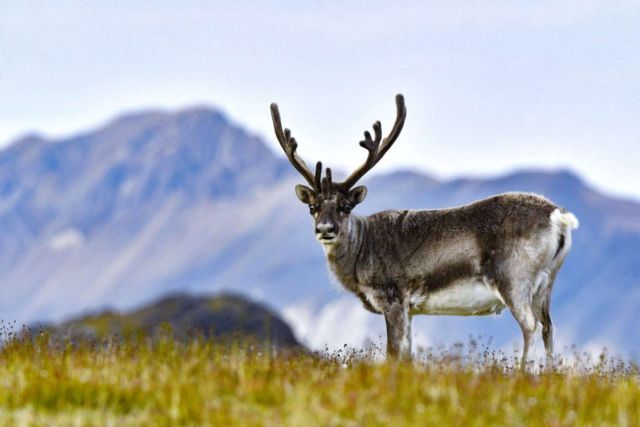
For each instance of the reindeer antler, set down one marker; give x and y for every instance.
(376, 149)
(289, 145)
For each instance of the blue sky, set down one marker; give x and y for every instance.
(490, 86)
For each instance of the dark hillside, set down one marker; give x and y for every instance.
(222, 318)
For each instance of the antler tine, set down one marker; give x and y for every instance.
(376, 149)
(401, 115)
(289, 145)
(318, 180)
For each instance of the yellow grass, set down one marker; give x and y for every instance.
(198, 383)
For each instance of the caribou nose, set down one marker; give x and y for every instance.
(325, 228)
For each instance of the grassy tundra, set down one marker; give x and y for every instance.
(134, 382)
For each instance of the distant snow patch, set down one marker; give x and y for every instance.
(342, 321)
(67, 239)
(300, 316)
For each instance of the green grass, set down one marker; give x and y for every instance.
(199, 383)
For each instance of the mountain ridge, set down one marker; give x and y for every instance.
(188, 201)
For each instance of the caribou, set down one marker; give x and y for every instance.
(502, 251)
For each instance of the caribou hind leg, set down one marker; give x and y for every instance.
(529, 312)
(542, 297)
(541, 308)
(519, 303)
(543, 313)
(547, 330)
(527, 321)
(564, 244)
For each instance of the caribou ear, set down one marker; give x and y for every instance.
(305, 194)
(358, 194)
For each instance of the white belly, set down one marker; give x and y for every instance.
(462, 299)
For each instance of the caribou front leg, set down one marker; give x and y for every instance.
(398, 320)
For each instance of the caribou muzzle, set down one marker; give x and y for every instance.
(326, 232)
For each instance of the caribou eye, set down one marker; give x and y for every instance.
(346, 208)
(313, 209)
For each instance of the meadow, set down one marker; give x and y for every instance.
(137, 381)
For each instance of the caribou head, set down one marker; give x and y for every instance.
(330, 202)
